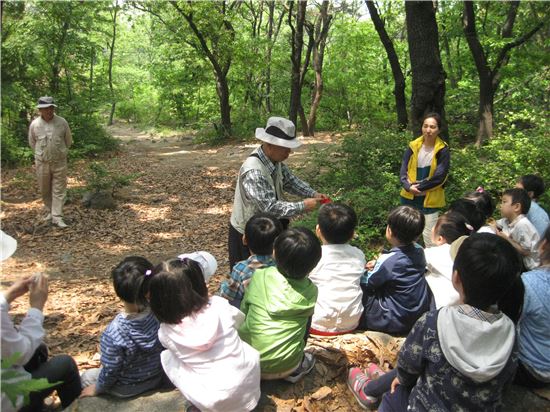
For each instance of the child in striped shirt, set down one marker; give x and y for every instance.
(130, 348)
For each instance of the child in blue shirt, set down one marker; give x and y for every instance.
(395, 292)
(130, 348)
(259, 234)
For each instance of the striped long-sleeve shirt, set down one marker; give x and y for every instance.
(130, 351)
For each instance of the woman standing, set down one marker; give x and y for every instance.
(424, 170)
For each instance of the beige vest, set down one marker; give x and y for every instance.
(243, 208)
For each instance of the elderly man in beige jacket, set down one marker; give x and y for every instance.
(50, 138)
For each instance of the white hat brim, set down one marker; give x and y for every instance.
(8, 245)
(277, 141)
(43, 106)
(206, 261)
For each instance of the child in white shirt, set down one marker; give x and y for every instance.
(515, 226)
(449, 227)
(338, 273)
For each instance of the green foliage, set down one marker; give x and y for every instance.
(100, 178)
(17, 383)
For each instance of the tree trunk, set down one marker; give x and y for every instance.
(398, 78)
(111, 55)
(428, 75)
(91, 81)
(303, 121)
(489, 78)
(322, 27)
(222, 89)
(297, 43)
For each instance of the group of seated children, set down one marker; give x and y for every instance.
(458, 302)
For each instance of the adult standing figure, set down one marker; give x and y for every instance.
(424, 170)
(50, 138)
(263, 179)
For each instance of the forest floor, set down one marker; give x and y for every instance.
(180, 202)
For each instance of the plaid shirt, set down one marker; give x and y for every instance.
(476, 313)
(257, 189)
(234, 288)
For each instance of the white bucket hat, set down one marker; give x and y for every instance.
(8, 245)
(206, 261)
(279, 132)
(45, 101)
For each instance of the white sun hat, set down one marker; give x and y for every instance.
(8, 245)
(45, 101)
(206, 261)
(279, 132)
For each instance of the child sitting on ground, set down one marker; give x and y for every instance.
(449, 227)
(259, 234)
(470, 211)
(458, 357)
(338, 273)
(395, 293)
(534, 324)
(204, 357)
(130, 348)
(486, 206)
(534, 186)
(278, 305)
(515, 226)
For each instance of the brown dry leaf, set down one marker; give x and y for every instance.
(321, 393)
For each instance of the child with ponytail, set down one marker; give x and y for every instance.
(204, 357)
(130, 348)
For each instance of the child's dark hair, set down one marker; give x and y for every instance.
(470, 211)
(406, 223)
(489, 268)
(519, 196)
(297, 252)
(532, 183)
(451, 226)
(261, 231)
(435, 116)
(130, 279)
(337, 222)
(484, 202)
(177, 289)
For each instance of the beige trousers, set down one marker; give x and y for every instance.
(52, 181)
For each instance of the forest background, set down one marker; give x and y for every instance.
(219, 69)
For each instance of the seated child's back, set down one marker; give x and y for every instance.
(279, 301)
(449, 227)
(259, 234)
(204, 358)
(338, 273)
(395, 293)
(130, 348)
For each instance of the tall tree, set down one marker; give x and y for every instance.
(297, 43)
(398, 78)
(114, 14)
(213, 36)
(320, 33)
(428, 76)
(490, 77)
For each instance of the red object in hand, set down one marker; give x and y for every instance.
(325, 200)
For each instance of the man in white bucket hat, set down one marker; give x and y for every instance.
(263, 178)
(50, 138)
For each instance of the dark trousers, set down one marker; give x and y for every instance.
(398, 401)
(61, 368)
(237, 251)
(525, 378)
